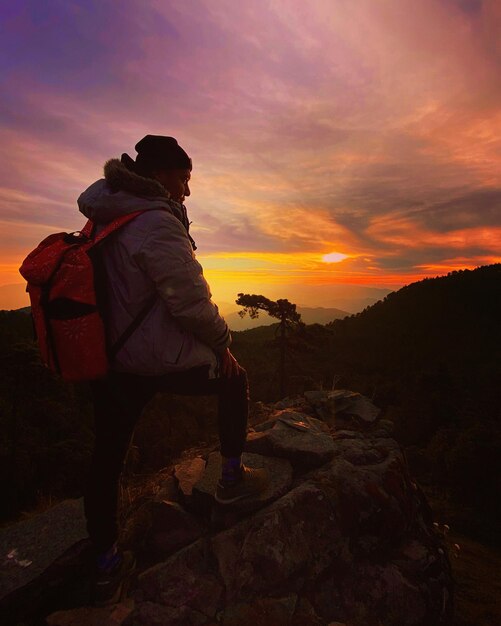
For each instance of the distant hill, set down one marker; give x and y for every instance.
(309, 315)
(349, 298)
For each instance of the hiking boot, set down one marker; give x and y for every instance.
(111, 587)
(253, 482)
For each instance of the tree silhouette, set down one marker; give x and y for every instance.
(282, 310)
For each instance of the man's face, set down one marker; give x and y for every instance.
(175, 182)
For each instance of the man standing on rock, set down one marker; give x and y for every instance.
(180, 345)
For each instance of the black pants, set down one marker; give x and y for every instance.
(118, 403)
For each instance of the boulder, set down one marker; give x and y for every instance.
(154, 614)
(182, 583)
(65, 583)
(343, 408)
(316, 397)
(305, 614)
(279, 548)
(383, 428)
(285, 403)
(115, 615)
(345, 403)
(264, 611)
(171, 528)
(370, 590)
(30, 546)
(168, 489)
(350, 542)
(188, 473)
(301, 439)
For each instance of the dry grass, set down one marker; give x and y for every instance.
(478, 584)
(476, 569)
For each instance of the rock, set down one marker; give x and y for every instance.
(349, 541)
(415, 551)
(65, 583)
(259, 412)
(259, 442)
(316, 397)
(280, 472)
(266, 425)
(347, 434)
(350, 404)
(361, 450)
(153, 614)
(305, 614)
(263, 554)
(416, 557)
(285, 403)
(384, 428)
(263, 611)
(301, 422)
(372, 513)
(168, 489)
(30, 546)
(343, 407)
(188, 473)
(303, 440)
(171, 528)
(367, 591)
(183, 582)
(90, 616)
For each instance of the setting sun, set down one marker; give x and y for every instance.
(334, 257)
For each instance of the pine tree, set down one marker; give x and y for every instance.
(282, 310)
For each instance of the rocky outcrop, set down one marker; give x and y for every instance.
(30, 546)
(344, 406)
(342, 536)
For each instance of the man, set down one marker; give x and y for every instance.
(181, 345)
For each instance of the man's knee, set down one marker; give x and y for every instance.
(238, 381)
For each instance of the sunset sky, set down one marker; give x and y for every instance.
(334, 142)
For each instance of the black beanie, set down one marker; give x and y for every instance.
(157, 152)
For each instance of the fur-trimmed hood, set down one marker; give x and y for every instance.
(121, 192)
(119, 178)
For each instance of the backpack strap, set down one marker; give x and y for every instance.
(105, 232)
(87, 229)
(112, 226)
(117, 346)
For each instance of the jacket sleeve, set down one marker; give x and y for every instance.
(167, 257)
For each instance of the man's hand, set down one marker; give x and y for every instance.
(229, 365)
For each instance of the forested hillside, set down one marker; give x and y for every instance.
(430, 356)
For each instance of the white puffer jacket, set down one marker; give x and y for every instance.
(153, 254)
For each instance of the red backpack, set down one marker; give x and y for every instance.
(62, 275)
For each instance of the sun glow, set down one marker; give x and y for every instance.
(334, 257)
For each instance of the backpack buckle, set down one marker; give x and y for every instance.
(75, 237)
